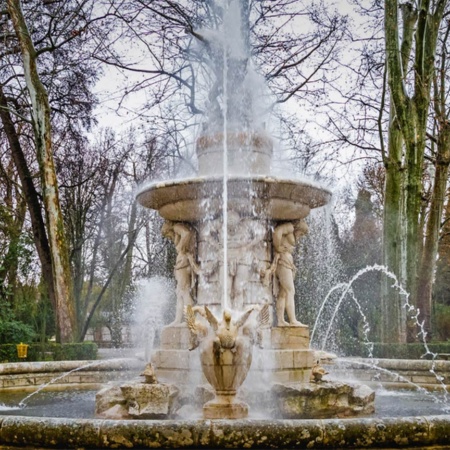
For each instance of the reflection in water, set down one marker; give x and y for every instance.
(81, 404)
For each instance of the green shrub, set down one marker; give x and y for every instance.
(441, 316)
(72, 352)
(12, 330)
(51, 352)
(8, 353)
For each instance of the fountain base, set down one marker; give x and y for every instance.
(225, 407)
(430, 429)
(287, 356)
(404, 432)
(137, 400)
(323, 400)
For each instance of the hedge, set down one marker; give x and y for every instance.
(50, 352)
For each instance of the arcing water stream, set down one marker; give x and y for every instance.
(414, 314)
(25, 400)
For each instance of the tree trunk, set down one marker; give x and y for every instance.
(13, 216)
(428, 263)
(65, 308)
(393, 324)
(31, 197)
(426, 34)
(127, 270)
(132, 240)
(411, 112)
(10, 264)
(394, 223)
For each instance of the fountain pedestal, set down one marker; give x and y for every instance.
(288, 357)
(247, 153)
(225, 406)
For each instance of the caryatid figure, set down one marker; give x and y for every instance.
(185, 268)
(285, 237)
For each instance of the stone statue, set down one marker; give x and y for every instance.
(212, 236)
(185, 268)
(285, 237)
(243, 236)
(149, 374)
(317, 373)
(226, 356)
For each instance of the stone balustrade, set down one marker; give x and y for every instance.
(30, 375)
(394, 371)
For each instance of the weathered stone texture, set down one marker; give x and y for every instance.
(327, 399)
(391, 433)
(137, 401)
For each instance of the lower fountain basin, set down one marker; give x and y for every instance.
(257, 196)
(53, 403)
(429, 428)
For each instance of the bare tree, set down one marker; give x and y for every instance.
(65, 311)
(409, 121)
(57, 40)
(387, 114)
(292, 44)
(440, 152)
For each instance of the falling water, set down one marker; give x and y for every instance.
(225, 300)
(24, 402)
(435, 396)
(394, 375)
(347, 291)
(232, 44)
(150, 304)
(411, 309)
(318, 262)
(347, 288)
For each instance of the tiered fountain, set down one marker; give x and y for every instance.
(235, 229)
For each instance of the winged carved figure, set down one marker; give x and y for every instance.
(198, 330)
(227, 329)
(254, 330)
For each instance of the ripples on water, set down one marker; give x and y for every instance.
(81, 404)
(409, 403)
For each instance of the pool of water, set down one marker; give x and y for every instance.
(402, 403)
(81, 404)
(69, 403)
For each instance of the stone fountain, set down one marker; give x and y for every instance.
(250, 285)
(264, 223)
(235, 229)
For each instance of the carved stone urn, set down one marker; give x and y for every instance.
(226, 369)
(225, 356)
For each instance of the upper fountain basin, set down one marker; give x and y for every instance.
(191, 200)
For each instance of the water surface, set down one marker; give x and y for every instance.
(81, 404)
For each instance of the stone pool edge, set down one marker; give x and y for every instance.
(387, 432)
